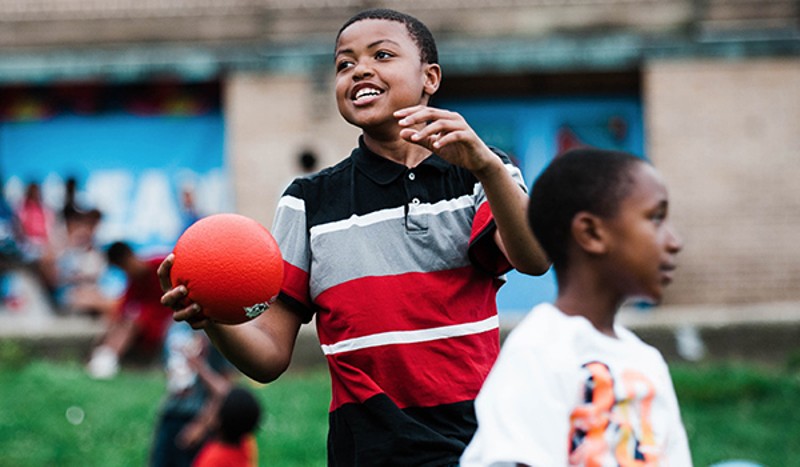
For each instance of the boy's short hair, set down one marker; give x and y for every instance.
(416, 29)
(239, 415)
(586, 179)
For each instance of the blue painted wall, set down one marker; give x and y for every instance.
(130, 167)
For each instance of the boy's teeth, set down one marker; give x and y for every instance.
(367, 92)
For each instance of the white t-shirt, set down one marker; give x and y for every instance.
(563, 394)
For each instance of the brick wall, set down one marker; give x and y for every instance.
(726, 135)
(269, 120)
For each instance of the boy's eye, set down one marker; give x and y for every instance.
(658, 217)
(341, 65)
(382, 54)
(659, 213)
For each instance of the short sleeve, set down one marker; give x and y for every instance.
(291, 232)
(523, 411)
(677, 453)
(483, 250)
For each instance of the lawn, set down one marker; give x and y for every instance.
(738, 411)
(51, 414)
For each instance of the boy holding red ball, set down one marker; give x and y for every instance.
(398, 253)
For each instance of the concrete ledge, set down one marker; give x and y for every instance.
(762, 332)
(56, 337)
(712, 316)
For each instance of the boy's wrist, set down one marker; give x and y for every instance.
(493, 167)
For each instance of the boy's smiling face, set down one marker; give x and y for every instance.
(379, 71)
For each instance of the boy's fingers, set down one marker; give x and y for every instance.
(174, 298)
(436, 121)
(201, 323)
(437, 127)
(407, 133)
(417, 114)
(163, 272)
(193, 315)
(408, 111)
(449, 138)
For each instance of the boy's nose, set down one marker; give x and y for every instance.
(674, 241)
(362, 70)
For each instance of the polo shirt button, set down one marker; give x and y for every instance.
(415, 201)
(411, 176)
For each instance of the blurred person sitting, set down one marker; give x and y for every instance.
(189, 211)
(72, 207)
(138, 319)
(79, 267)
(37, 222)
(198, 379)
(234, 444)
(10, 233)
(10, 254)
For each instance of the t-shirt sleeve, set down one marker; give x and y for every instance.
(523, 412)
(483, 250)
(677, 451)
(291, 232)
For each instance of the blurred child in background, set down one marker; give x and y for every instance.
(79, 268)
(234, 444)
(139, 319)
(198, 378)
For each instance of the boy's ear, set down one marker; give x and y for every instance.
(433, 78)
(589, 233)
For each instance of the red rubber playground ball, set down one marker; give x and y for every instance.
(231, 266)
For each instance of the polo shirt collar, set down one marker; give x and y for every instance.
(384, 171)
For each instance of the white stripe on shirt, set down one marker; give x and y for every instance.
(411, 337)
(291, 202)
(383, 215)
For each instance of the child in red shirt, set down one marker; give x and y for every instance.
(141, 319)
(235, 445)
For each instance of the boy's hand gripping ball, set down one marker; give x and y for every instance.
(230, 265)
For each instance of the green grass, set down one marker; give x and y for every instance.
(119, 416)
(738, 411)
(730, 411)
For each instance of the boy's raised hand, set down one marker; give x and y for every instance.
(447, 134)
(177, 297)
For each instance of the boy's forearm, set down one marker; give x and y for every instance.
(254, 349)
(509, 205)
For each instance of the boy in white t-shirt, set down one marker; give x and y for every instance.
(571, 387)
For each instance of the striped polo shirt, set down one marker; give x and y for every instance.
(400, 268)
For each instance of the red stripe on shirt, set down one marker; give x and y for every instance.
(416, 375)
(483, 249)
(403, 302)
(483, 218)
(295, 284)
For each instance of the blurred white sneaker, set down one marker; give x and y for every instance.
(104, 363)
